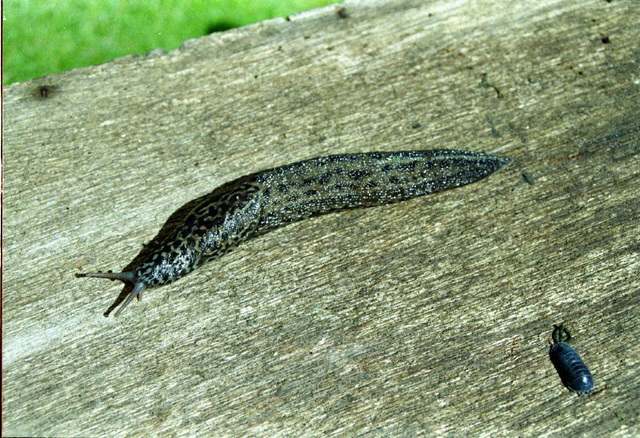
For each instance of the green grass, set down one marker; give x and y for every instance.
(46, 37)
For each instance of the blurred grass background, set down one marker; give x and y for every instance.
(46, 37)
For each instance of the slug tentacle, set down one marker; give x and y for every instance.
(122, 276)
(258, 203)
(128, 277)
(135, 293)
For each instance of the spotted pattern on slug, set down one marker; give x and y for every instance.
(229, 216)
(255, 204)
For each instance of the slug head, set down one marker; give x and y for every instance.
(128, 278)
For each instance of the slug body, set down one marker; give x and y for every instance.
(572, 370)
(255, 204)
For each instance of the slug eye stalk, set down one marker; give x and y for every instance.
(122, 276)
(126, 277)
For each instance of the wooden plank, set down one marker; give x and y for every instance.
(431, 316)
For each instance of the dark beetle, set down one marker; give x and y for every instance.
(574, 373)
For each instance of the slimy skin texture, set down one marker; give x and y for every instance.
(258, 203)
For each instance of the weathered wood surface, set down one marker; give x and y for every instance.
(426, 317)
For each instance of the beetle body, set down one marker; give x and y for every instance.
(572, 370)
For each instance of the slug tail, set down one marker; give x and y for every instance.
(339, 182)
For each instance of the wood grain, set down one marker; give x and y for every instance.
(429, 317)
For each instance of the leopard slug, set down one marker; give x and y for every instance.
(255, 204)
